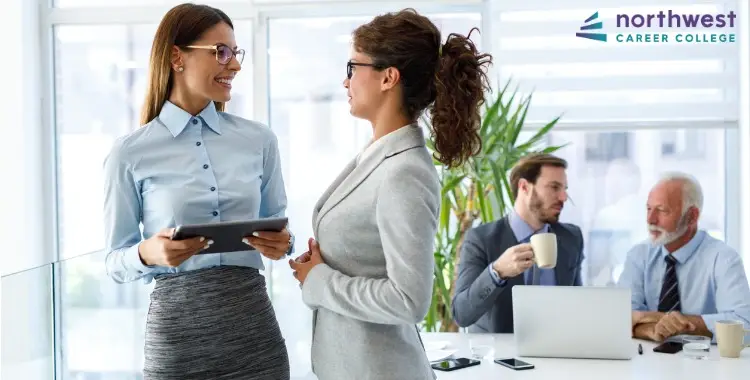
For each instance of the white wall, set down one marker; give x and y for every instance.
(25, 219)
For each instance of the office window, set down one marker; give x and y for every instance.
(100, 82)
(683, 144)
(130, 3)
(317, 136)
(100, 79)
(606, 146)
(609, 199)
(591, 82)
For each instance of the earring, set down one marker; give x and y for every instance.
(180, 69)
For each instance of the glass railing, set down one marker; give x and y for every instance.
(27, 350)
(69, 321)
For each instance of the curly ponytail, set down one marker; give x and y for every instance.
(449, 79)
(460, 85)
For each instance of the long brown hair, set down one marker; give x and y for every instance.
(448, 78)
(181, 26)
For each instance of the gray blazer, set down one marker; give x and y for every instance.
(484, 307)
(376, 226)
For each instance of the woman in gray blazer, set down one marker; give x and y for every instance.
(368, 273)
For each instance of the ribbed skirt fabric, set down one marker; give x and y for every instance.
(214, 323)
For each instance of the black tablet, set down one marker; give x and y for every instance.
(227, 236)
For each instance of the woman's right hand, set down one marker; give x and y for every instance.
(161, 250)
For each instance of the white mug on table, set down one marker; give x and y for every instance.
(730, 337)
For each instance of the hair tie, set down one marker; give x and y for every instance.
(440, 50)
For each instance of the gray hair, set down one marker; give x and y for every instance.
(692, 195)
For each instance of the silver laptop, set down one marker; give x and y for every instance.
(573, 322)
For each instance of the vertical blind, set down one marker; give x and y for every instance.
(586, 81)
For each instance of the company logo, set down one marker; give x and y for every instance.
(685, 28)
(595, 26)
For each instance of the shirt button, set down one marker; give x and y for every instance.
(205, 166)
(213, 188)
(198, 143)
(195, 121)
(216, 213)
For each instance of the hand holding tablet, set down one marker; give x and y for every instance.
(161, 250)
(271, 244)
(238, 235)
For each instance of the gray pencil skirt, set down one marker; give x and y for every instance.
(214, 323)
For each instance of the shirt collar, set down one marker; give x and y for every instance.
(521, 229)
(176, 119)
(686, 251)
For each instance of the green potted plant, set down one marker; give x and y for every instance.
(478, 192)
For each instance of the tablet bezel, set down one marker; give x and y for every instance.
(227, 236)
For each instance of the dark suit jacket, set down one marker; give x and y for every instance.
(486, 308)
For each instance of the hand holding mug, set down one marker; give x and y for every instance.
(514, 261)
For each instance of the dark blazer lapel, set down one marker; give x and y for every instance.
(562, 269)
(508, 240)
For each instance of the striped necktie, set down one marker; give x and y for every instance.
(669, 299)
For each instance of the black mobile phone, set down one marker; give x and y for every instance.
(669, 347)
(454, 364)
(514, 364)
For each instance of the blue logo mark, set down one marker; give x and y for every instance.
(596, 25)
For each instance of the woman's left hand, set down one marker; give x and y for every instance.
(301, 269)
(273, 245)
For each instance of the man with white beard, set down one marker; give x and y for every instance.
(682, 280)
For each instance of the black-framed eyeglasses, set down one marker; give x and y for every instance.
(224, 53)
(350, 65)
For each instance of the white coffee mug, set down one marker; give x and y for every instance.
(545, 250)
(730, 336)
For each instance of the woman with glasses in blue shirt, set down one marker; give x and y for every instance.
(210, 314)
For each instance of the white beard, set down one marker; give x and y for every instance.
(667, 237)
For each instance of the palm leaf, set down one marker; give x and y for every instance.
(503, 121)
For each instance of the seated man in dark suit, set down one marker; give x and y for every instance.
(497, 255)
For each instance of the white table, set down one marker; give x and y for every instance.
(650, 365)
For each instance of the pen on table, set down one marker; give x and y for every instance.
(640, 349)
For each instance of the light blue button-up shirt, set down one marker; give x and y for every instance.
(180, 169)
(523, 232)
(710, 276)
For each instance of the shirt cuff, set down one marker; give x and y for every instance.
(710, 321)
(133, 262)
(314, 287)
(496, 277)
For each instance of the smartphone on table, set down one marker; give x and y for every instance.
(452, 364)
(514, 364)
(669, 347)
